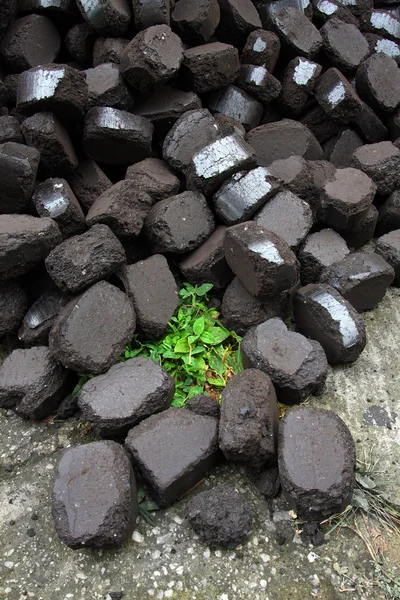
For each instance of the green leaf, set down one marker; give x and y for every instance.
(365, 482)
(198, 350)
(178, 402)
(358, 500)
(216, 364)
(192, 339)
(203, 289)
(198, 326)
(219, 335)
(216, 382)
(170, 354)
(182, 346)
(207, 338)
(196, 389)
(150, 505)
(140, 495)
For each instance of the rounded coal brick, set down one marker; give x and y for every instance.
(39, 319)
(240, 310)
(107, 88)
(267, 10)
(207, 264)
(337, 96)
(248, 424)
(154, 177)
(108, 49)
(319, 123)
(195, 21)
(296, 365)
(362, 278)
(238, 19)
(296, 32)
(116, 137)
(243, 194)
(234, 102)
(321, 313)
(54, 198)
(57, 155)
(388, 246)
(317, 462)
(151, 12)
(20, 49)
(10, 130)
(94, 496)
(153, 56)
(346, 198)
(13, 306)
(140, 388)
(210, 66)
(56, 88)
(88, 182)
(57, 9)
(288, 216)
(381, 162)
(295, 173)
(18, 169)
(164, 107)
(217, 161)
(320, 250)
(263, 262)
(229, 126)
(370, 126)
(152, 288)
(221, 516)
(298, 81)
(91, 332)
(261, 48)
(107, 16)
(259, 82)
(344, 45)
(79, 42)
(203, 405)
(123, 207)
(382, 22)
(25, 242)
(364, 230)
(323, 10)
(378, 83)
(7, 12)
(179, 224)
(275, 141)
(85, 259)
(340, 148)
(389, 214)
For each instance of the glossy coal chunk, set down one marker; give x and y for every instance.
(340, 148)
(337, 96)
(322, 314)
(116, 137)
(346, 198)
(18, 52)
(46, 133)
(107, 16)
(298, 81)
(56, 88)
(153, 56)
(243, 194)
(39, 319)
(296, 365)
(320, 250)
(258, 81)
(234, 102)
(261, 260)
(378, 82)
(88, 183)
(262, 48)
(195, 21)
(210, 66)
(207, 263)
(217, 161)
(18, 169)
(151, 12)
(362, 278)
(238, 19)
(288, 216)
(344, 45)
(59, 9)
(296, 32)
(54, 198)
(388, 246)
(107, 88)
(381, 162)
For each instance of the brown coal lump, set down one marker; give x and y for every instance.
(389, 214)
(55, 199)
(39, 319)
(320, 124)
(229, 126)
(344, 45)
(298, 82)
(52, 87)
(21, 49)
(107, 16)
(116, 137)
(378, 82)
(296, 175)
(370, 125)
(210, 66)
(153, 56)
(322, 314)
(88, 182)
(268, 10)
(238, 19)
(151, 12)
(107, 49)
(261, 48)
(258, 81)
(79, 42)
(106, 87)
(337, 96)
(364, 230)
(282, 139)
(346, 198)
(381, 162)
(179, 224)
(241, 106)
(57, 154)
(18, 169)
(13, 306)
(362, 278)
(195, 21)
(388, 246)
(154, 177)
(263, 262)
(123, 207)
(296, 32)
(320, 250)
(340, 148)
(207, 263)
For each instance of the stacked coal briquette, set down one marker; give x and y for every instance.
(254, 146)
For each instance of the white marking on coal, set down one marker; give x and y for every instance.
(385, 21)
(303, 72)
(267, 250)
(387, 47)
(220, 156)
(94, 12)
(336, 94)
(340, 314)
(55, 205)
(327, 8)
(259, 45)
(42, 83)
(256, 75)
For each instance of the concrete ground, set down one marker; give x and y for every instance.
(168, 560)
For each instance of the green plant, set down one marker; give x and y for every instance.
(196, 349)
(146, 507)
